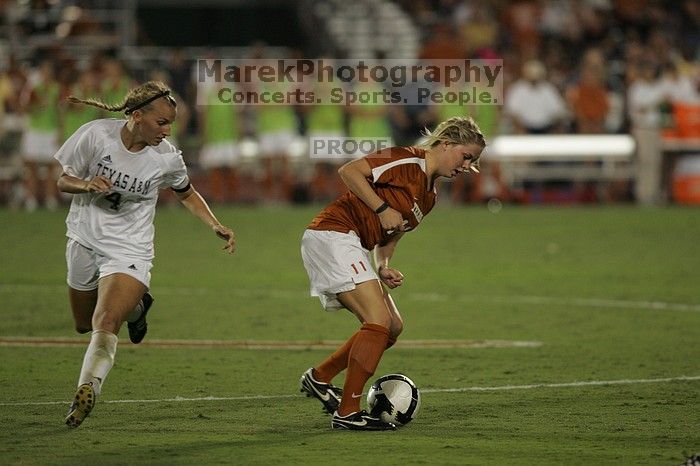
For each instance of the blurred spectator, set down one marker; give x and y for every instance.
(676, 87)
(479, 32)
(371, 118)
(443, 44)
(220, 129)
(115, 84)
(644, 96)
(588, 98)
(409, 120)
(327, 122)
(40, 140)
(561, 21)
(13, 79)
(277, 126)
(6, 91)
(533, 103)
(522, 19)
(73, 116)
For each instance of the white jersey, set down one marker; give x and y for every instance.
(118, 223)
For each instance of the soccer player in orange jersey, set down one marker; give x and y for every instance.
(390, 192)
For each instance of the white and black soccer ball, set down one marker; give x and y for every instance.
(394, 398)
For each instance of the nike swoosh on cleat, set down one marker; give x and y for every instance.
(358, 423)
(323, 396)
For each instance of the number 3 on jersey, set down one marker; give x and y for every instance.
(114, 199)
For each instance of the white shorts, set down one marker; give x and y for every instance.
(221, 154)
(39, 146)
(335, 262)
(276, 143)
(86, 267)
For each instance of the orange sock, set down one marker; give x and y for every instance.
(365, 353)
(335, 363)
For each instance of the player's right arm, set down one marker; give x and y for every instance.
(73, 185)
(391, 277)
(74, 157)
(355, 175)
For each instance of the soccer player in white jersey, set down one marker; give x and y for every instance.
(115, 168)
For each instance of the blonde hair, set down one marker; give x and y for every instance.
(136, 99)
(455, 130)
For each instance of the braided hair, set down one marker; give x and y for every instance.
(137, 98)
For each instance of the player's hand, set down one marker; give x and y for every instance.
(226, 234)
(391, 221)
(390, 277)
(99, 184)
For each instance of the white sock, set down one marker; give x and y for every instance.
(136, 312)
(99, 359)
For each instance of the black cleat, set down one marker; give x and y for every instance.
(326, 393)
(360, 420)
(83, 402)
(139, 327)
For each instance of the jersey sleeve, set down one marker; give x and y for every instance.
(76, 153)
(385, 165)
(176, 171)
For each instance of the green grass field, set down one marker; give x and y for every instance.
(611, 294)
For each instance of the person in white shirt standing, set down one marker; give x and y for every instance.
(534, 104)
(115, 168)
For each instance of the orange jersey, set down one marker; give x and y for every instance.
(398, 177)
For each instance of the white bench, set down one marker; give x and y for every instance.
(520, 157)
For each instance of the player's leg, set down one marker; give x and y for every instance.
(117, 296)
(338, 360)
(82, 304)
(82, 279)
(396, 326)
(367, 302)
(322, 252)
(83, 274)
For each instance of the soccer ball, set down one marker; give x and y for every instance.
(394, 398)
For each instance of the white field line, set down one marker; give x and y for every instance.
(589, 383)
(422, 297)
(271, 344)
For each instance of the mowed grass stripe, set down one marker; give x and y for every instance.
(429, 297)
(272, 344)
(586, 383)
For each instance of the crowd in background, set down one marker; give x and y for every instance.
(571, 66)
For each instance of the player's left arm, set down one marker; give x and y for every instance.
(382, 254)
(196, 204)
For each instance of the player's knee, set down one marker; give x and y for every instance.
(396, 327)
(82, 328)
(383, 320)
(396, 330)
